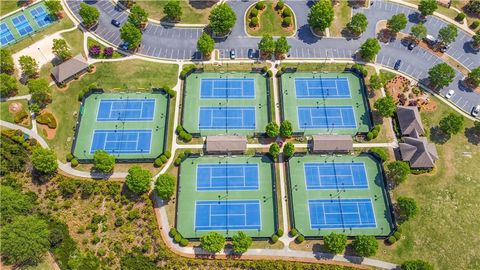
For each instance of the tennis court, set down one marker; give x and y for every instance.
(227, 215)
(226, 194)
(326, 117)
(233, 88)
(40, 16)
(335, 175)
(227, 177)
(122, 141)
(322, 88)
(22, 25)
(130, 126)
(126, 110)
(325, 103)
(227, 118)
(225, 103)
(342, 194)
(6, 36)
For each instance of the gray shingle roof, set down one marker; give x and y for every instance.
(332, 143)
(69, 68)
(418, 152)
(226, 144)
(409, 120)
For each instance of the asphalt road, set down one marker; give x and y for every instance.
(162, 41)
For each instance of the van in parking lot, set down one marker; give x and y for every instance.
(430, 40)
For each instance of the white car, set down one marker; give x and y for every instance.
(449, 94)
(476, 111)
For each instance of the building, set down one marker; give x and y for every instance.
(67, 70)
(226, 144)
(409, 121)
(331, 144)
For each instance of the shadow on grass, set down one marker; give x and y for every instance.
(473, 135)
(438, 136)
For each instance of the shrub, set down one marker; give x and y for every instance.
(177, 161)
(119, 222)
(186, 69)
(391, 239)
(163, 158)
(274, 238)
(460, 17)
(108, 52)
(183, 242)
(280, 232)
(168, 154)
(20, 116)
(300, 238)
(47, 119)
(74, 162)
(280, 5)
(179, 129)
(416, 265)
(254, 22)
(374, 133)
(377, 128)
(380, 152)
(253, 13)
(293, 232)
(172, 232)
(158, 162)
(264, 69)
(361, 69)
(474, 25)
(287, 13)
(397, 235)
(287, 21)
(260, 5)
(133, 214)
(177, 238)
(369, 136)
(269, 73)
(94, 50)
(69, 157)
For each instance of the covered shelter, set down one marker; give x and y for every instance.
(222, 144)
(331, 144)
(69, 69)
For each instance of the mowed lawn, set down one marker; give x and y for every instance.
(446, 230)
(342, 17)
(270, 22)
(131, 75)
(195, 12)
(7, 6)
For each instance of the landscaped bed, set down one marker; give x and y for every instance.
(272, 18)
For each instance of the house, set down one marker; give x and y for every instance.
(331, 144)
(67, 70)
(418, 152)
(409, 121)
(231, 144)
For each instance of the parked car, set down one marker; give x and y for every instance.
(397, 64)
(412, 45)
(251, 53)
(449, 94)
(430, 40)
(115, 23)
(124, 46)
(476, 111)
(232, 54)
(444, 48)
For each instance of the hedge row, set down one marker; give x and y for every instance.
(178, 237)
(397, 235)
(372, 134)
(183, 135)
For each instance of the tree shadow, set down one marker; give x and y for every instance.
(473, 135)
(438, 136)
(201, 4)
(468, 48)
(321, 253)
(306, 35)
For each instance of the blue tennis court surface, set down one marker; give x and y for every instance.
(326, 117)
(5, 34)
(227, 177)
(227, 118)
(22, 25)
(322, 88)
(342, 213)
(122, 141)
(233, 88)
(227, 215)
(41, 17)
(126, 110)
(335, 175)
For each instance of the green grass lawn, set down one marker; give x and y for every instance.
(91, 42)
(7, 6)
(445, 231)
(270, 23)
(6, 115)
(134, 75)
(195, 12)
(342, 17)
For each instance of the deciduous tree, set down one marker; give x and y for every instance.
(286, 129)
(358, 24)
(274, 150)
(103, 162)
(321, 15)
(222, 19)
(427, 7)
(418, 31)
(441, 75)
(205, 45)
(241, 242)
(165, 186)
(40, 91)
(13, 203)
(398, 171)
(335, 243)
(131, 35)
(138, 16)
(44, 160)
(212, 242)
(272, 129)
(138, 180)
(266, 45)
(29, 66)
(54, 7)
(385, 106)
(289, 149)
(6, 61)
(173, 11)
(474, 77)
(407, 207)
(397, 23)
(369, 49)
(448, 34)
(89, 14)
(282, 46)
(8, 85)
(452, 123)
(60, 49)
(365, 245)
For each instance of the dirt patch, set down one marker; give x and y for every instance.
(406, 94)
(48, 132)
(15, 107)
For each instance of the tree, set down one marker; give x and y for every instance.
(418, 31)
(370, 49)
(274, 150)
(376, 82)
(321, 15)
(6, 61)
(281, 46)
(13, 203)
(173, 11)
(40, 91)
(398, 171)
(241, 242)
(416, 265)
(138, 180)
(289, 149)
(335, 243)
(286, 129)
(448, 34)
(385, 106)
(60, 49)
(89, 14)
(397, 23)
(358, 24)
(131, 35)
(54, 6)
(29, 66)
(205, 44)
(427, 7)
(452, 123)
(222, 19)
(476, 40)
(103, 162)
(24, 241)
(44, 160)
(407, 207)
(441, 75)
(380, 152)
(473, 77)
(365, 245)
(212, 242)
(165, 186)
(138, 16)
(272, 129)
(267, 45)
(8, 85)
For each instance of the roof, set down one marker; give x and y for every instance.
(69, 68)
(410, 121)
(226, 143)
(418, 152)
(332, 143)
